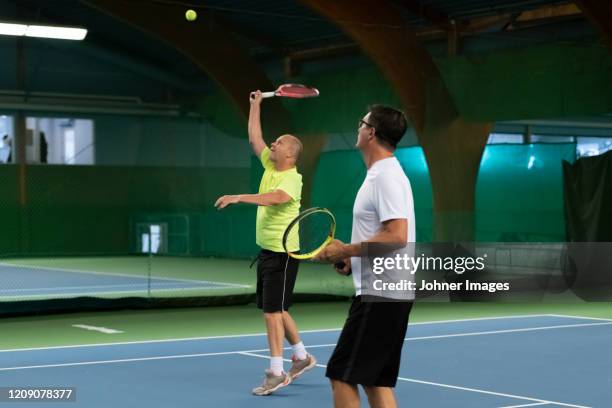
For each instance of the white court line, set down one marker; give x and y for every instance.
(265, 334)
(134, 287)
(527, 329)
(112, 292)
(257, 334)
(580, 317)
(252, 352)
(537, 400)
(83, 271)
(286, 348)
(125, 343)
(137, 287)
(525, 405)
(104, 330)
(125, 360)
(564, 326)
(490, 392)
(476, 319)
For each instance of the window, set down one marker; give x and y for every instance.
(69, 148)
(593, 146)
(500, 138)
(152, 238)
(6, 139)
(552, 139)
(60, 141)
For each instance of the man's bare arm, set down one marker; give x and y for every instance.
(393, 233)
(255, 133)
(275, 197)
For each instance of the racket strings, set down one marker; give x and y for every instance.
(297, 91)
(313, 231)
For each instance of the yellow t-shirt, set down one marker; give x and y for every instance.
(273, 220)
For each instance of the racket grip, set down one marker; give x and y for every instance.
(339, 265)
(267, 94)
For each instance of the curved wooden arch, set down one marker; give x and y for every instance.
(210, 45)
(453, 148)
(600, 14)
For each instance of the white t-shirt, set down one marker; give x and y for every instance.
(384, 195)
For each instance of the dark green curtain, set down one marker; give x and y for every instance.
(588, 204)
(588, 199)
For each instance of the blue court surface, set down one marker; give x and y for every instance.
(19, 282)
(514, 361)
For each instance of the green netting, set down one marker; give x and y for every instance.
(88, 209)
(551, 81)
(519, 193)
(344, 98)
(340, 174)
(95, 211)
(10, 210)
(338, 177)
(229, 233)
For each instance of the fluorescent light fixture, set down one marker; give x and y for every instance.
(39, 31)
(62, 33)
(13, 29)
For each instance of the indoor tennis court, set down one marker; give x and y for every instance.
(497, 361)
(145, 185)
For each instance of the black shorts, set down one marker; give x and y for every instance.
(370, 346)
(276, 274)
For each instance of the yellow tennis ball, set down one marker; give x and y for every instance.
(191, 15)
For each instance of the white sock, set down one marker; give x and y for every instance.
(276, 365)
(300, 351)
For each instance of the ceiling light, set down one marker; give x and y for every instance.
(13, 29)
(62, 33)
(40, 31)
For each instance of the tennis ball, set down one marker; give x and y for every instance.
(191, 15)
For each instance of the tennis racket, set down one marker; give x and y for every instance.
(292, 91)
(311, 231)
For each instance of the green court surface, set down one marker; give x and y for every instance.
(58, 330)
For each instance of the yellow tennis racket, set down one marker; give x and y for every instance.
(311, 231)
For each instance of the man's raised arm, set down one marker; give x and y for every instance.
(255, 134)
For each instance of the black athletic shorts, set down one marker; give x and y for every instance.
(370, 346)
(276, 274)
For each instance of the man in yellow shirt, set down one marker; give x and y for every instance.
(278, 201)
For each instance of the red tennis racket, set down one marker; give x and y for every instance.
(293, 91)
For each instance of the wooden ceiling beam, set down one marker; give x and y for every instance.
(599, 12)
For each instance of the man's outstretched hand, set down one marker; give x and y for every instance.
(226, 200)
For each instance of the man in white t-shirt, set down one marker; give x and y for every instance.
(368, 352)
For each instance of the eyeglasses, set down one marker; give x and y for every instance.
(363, 122)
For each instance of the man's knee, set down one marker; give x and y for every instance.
(337, 384)
(380, 396)
(273, 316)
(345, 395)
(375, 389)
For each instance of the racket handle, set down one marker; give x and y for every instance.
(267, 94)
(339, 265)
